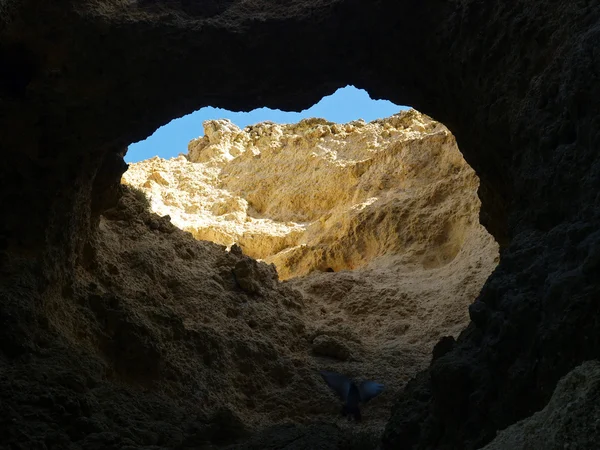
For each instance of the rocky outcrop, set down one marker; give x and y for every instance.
(336, 187)
(375, 224)
(515, 82)
(212, 340)
(570, 419)
(163, 341)
(323, 196)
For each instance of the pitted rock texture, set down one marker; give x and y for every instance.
(323, 196)
(570, 420)
(515, 82)
(158, 344)
(182, 343)
(393, 200)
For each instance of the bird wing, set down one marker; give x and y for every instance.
(339, 383)
(368, 390)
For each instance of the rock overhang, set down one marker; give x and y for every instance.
(512, 82)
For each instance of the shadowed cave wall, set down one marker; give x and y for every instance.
(517, 84)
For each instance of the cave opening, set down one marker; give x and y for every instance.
(118, 330)
(272, 182)
(374, 225)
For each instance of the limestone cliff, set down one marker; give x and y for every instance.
(375, 224)
(323, 196)
(180, 343)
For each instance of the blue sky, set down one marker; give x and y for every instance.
(345, 105)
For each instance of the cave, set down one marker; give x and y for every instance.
(516, 84)
(373, 227)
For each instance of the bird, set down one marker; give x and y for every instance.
(351, 393)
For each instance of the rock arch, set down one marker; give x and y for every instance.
(514, 82)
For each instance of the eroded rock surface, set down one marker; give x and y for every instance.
(515, 82)
(570, 420)
(377, 224)
(180, 343)
(158, 343)
(323, 196)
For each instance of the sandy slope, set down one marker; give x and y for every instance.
(374, 227)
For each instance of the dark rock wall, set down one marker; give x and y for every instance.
(528, 124)
(516, 82)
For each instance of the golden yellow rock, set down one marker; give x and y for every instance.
(373, 228)
(321, 196)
